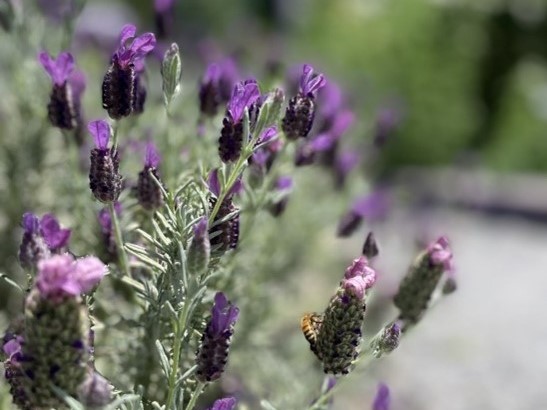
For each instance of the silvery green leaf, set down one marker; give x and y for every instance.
(171, 70)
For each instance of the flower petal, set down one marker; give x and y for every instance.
(101, 133)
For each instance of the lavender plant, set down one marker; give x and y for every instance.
(183, 315)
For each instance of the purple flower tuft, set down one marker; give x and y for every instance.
(359, 277)
(382, 399)
(133, 48)
(152, 157)
(101, 133)
(224, 315)
(228, 403)
(61, 275)
(310, 84)
(50, 229)
(58, 69)
(243, 95)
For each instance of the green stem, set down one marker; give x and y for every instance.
(195, 395)
(115, 126)
(180, 325)
(123, 261)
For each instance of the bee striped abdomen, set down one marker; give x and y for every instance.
(311, 325)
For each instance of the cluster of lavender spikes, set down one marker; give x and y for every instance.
(49, 352)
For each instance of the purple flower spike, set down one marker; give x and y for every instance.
(310, 84)
(152, 157)
(214, 183)
(55, 237)
(228, 403)
(243, 95)
(31, 223)
(101, 133)
(224, 315)
(60, 276)
(382, 399)
(60, 69)
(138, 47)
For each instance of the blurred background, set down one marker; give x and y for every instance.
(450, 105)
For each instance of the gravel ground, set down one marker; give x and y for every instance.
(484, 347)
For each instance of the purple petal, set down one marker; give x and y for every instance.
(128, 32)
(243, 95)
(59, 70)
(267, 134)
(284, 183)
(101, 133)
(214, 183)
(355, 286)
(31, 223)
(237, 188)
(143, 44)
(55, 237)
(309, 84)
(322, 142)
(382, 399)
(88, 272)
(77, 81)
(152, 157)
(212, 74)
(224, 314)
(55, 277)
(12, 347)
(224, 404)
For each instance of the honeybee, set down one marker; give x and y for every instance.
(310, 325)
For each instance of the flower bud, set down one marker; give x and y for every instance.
(171, 71)
(200, 248)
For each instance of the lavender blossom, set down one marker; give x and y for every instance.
(200, 248)
(64, 103)
(56, 237)
(231, 138)
(13, 372)
(340, 335)
(104, 179)
(300, 113)
(149, 193)
(120, 85)
(212, 354)
(382, 399)
(417, 286)
(227, 403)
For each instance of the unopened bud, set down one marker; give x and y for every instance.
(171, 71)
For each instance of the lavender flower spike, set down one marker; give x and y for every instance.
(130, 51)
(229, 403)
(382, 399)
(56, 237)
(212, 354)
(230, 142)
(149, 194)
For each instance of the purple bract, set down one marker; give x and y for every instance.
(101, 133)
(55, 236)
(58, 69)
(152, 157)
(310, 84)
(224, 315)
(244, 94)
(382, 399)
(133, 48)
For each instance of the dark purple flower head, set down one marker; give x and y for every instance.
(441, 254)
(373, 206)
(244, 94)
(133, 48)
(382, 399)
(31, 223)
(224, 315)
(228, 403)
(101, 133)
(163, 6)
(61, 275)
(55, 236)
(309, 83)
(58, 69)
(152, 157)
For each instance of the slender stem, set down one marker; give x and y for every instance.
(179, 332)
(123, 261)
(195, 395)
(115, 126)
(236, 171)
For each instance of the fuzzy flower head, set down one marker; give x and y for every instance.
(382, 399)
(58, 69)
(224, 316)
(309, 83)
(244, 94)
(101, 133)
(152, 157)
(359, 277)
(229, 403)
(61, 276)
(133, 48)
(441, 254)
